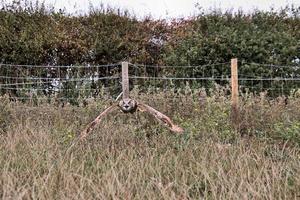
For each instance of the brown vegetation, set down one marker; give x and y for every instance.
(134, 157)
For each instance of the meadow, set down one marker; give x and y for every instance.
(131, 156)
(68, 58)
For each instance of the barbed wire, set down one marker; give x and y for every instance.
(269, 88)
(60, 81)
(271, 65)
(178, 78)
(106, 88)
(174, 96)
(142, 65)
(61, 66)
(176, 66)
(111, 65)
(218, 78)
(56, 89)
(46, 98)
(269, 79)
(91, 78)
(95, 78)
(35, 82)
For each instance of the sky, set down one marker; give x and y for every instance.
(165, 9)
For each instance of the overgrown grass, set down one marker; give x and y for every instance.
(134, 157)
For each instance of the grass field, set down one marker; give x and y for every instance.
(134, 157)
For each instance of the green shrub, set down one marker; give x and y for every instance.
(5, 114)
(288, 131)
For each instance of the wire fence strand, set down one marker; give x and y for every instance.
(271, 65)
(177, 66)
(78, 81)
(60, 66)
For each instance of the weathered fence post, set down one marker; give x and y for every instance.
(128, 105)
(125, 80)
(234, 93)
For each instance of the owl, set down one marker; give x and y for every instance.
(128, 105)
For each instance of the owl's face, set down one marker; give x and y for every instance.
(127, 105)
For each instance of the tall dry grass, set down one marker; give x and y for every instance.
(134, 157)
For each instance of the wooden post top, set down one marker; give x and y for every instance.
(125, 80)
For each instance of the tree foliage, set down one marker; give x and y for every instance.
(34, 34)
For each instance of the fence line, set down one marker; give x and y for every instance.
(158, 78)
(214, 78)
(95, 78)
(59, 81)
(268, 88)
(113, 65)
(91, 97)
(91, 78)
(179, 78)
(61, 66)
(43, 98)
(54, 89)
(143, 65)
(177, 66)
(271, 65)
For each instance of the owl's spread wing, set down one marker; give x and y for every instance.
(96, 121)
(160, 117)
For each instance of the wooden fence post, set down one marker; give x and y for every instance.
(125, 80)
(234, 93)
